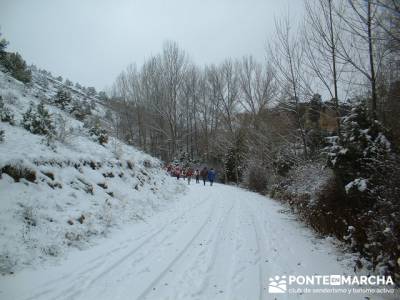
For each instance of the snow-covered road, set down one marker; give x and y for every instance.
(217, 242)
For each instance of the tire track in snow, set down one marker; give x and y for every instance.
(257, 261)
(193, 269)
(176, 226)
(269, 246)
(177, 257)
(245, 276)
(217, 281)
(75, 286)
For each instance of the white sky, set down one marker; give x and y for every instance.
(91, 41)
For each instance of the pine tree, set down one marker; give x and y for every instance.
(369, 169)
(360, 155)
(45, 121)
(235, 157)
(63, 99)
(17, 67)
(38, 120)
(3, 46)
(1, 135)
(91, 91)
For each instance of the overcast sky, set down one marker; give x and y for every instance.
(91, 41)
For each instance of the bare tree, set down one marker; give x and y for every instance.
(258, 87)
(322, 34)
(287, 56)
(173, 65)
(359, 48)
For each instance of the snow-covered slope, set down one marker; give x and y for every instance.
(44, 85)
(70, 192)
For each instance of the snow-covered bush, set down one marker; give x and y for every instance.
(256, 176)
(38, 120)
(63, 99)
(5, 113)
(80, 110)
(42, 80)
(312, 192)
(1, 135)
(99, 134)
(18, 171)
(10, 98)
(63, 131)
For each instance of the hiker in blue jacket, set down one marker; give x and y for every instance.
(211, 176)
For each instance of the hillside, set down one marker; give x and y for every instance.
(67, 190)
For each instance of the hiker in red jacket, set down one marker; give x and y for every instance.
(189, 174)
(177, 172)
(169, 168)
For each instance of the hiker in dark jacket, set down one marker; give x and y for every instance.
(211, 176)
(204, 174)
(197, 175)
(177, 172)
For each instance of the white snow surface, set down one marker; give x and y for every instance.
(217, 242)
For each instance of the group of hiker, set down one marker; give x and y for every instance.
(187, 173)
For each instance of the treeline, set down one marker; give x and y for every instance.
(265, 125)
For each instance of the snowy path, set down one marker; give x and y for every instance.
(217, 243)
